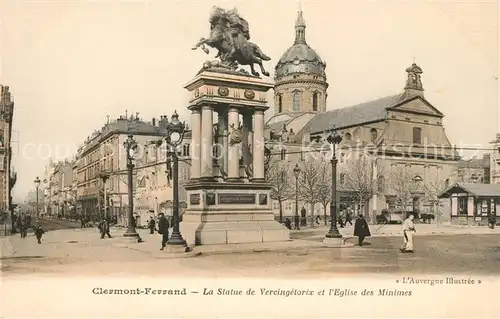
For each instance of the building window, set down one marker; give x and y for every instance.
(301, 156)
(374, 134)
(342, 158)
(417, 135)
(342, 179)
(296, 101)
(185, 150)
(347, 137)
(381, 183)
(283, 155)
(462, 205)
(315, 101)
(280, 103)
(447, 183)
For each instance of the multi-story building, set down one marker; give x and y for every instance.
(7, 176)
(154, 182)
(495, 161)
(474, 170)
(402, 135)
(102, 165)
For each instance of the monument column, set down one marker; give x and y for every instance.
(246, 142)
(234, 156)
(206, 142)
(223, 140)
(258, 146)
(195, 144)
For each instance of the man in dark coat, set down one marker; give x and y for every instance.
(361, 229)
(163, 227)
(104, 228)
(39, 232)
(151, 225)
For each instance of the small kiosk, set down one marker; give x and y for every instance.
(473, 204)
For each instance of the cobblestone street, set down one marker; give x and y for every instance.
(82, 251)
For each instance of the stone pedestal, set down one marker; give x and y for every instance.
(231, 210)
(230, 213)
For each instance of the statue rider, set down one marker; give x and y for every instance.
(237, 26)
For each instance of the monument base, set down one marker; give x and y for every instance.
(231, 213)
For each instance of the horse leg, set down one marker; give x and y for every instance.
(252, 70)
(201, 42)
(259, 62)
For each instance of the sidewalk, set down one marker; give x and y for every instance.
(396, 230)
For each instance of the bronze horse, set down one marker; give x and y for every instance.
(243, 52)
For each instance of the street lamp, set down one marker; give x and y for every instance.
(334, 139)
(296, 172)
(175, 135)
(37, 184)
(130, 147)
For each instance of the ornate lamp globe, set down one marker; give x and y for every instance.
(296, 171)
(175, 129)
(334, 137)
(130, 146)
(37, 182)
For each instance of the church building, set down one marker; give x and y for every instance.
(401, 137)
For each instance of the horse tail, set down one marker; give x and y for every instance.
(264, 57)
(259, 53)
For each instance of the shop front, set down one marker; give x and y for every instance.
(473, 204)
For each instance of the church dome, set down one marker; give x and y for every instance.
(300, 57)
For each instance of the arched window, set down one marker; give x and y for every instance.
(381, 184)
(374, 134)
(447, 183)
(296, 101)
(280, 103)
(347, 137)
(315, 101)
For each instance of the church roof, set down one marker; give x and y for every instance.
(369, 111)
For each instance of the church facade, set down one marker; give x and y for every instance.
(395, 145)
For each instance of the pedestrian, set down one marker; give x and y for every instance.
(288, 223)
(361, 229)
(296, 222)
(408, 232)
(348, 218)
(104, 228)
(23, 226)
(39, 232)
(317, 220)
(492, 221)
(163, 227)
(151, 225)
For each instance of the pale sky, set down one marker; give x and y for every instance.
(71, 63)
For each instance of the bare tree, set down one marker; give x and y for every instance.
(360, 181)
(277, 175)
(403, 187)
(311, 184)
(433, 188)
(325, 191)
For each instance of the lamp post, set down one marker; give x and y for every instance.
(130, 147)
(37, 184)
(296, 172)
(175, 135)
(334, 139)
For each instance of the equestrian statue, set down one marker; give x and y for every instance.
(229, 34)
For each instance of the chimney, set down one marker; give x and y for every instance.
(153, 121)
